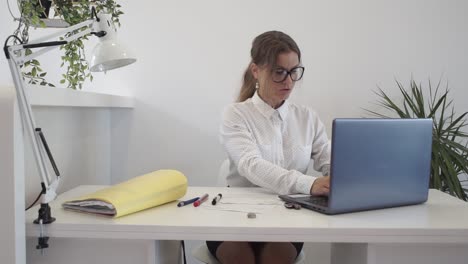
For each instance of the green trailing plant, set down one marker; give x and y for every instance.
(72, 12)
(449, 144)
(31, 13)
(33, 72)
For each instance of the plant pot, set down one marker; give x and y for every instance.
(46, 4)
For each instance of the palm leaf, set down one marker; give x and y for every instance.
(451, 176)
(436, 107)
(435, 181)
(420, 100)
(408, 100)
(454, 123)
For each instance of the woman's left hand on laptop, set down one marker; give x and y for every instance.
(321, 186)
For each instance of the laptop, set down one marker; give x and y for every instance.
(375, 164)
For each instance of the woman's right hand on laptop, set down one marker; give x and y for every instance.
(321, 186)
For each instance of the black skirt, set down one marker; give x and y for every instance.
(256, 246)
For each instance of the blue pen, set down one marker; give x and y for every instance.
(180, 204)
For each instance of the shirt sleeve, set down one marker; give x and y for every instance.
(244, 152)
(321, 147)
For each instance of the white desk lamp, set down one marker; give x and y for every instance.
(107, 55)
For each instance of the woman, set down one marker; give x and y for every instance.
(270, 141)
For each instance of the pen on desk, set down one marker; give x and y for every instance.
(201, 200)
(182, 203)
(216, 199)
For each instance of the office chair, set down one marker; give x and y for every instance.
(201, 252)
(223, 173)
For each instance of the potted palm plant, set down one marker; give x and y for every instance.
(449, 143)
(71, 12)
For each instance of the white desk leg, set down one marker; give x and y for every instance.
(349, 253)
(12, 228)
(419, 253)
(165, 252)
(402, 253)
(151, 252)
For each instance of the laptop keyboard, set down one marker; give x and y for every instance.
(318, 200)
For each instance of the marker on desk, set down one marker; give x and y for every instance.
(182, 203)
(201, 200)
(216, 199)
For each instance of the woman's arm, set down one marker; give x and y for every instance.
(321, 147)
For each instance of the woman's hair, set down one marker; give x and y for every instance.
(265, 50)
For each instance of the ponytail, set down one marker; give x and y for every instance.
(248, 86)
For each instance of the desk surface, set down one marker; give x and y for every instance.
(443, 219)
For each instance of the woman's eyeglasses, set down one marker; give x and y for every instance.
(280, 74)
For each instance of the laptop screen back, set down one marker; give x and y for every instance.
(378, 163)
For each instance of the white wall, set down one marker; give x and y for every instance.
(191, 55)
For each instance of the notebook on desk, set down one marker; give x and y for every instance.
(375, 163)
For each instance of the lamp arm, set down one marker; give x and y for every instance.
(26, 112)
(49, 188)
(17, 52)
(29, 124)
(88, 23)
(16, 56)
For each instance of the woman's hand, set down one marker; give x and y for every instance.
(321, 186)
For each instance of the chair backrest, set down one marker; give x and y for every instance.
(223, 173)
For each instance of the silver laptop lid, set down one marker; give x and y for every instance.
(378, 163)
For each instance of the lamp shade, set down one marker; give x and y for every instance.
(109, 54)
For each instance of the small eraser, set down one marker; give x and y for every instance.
(251, 215)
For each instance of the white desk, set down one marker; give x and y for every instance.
(406, 233)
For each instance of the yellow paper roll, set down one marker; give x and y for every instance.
(139, 193)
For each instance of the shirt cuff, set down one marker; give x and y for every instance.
(304, 183)
(326, 170)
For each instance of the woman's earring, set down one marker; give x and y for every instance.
(256, 85)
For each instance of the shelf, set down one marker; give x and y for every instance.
(55, 23)
(49, 96)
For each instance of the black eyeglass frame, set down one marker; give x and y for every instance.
(288, 73)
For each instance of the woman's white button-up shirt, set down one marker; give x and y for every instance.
(272, 148)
